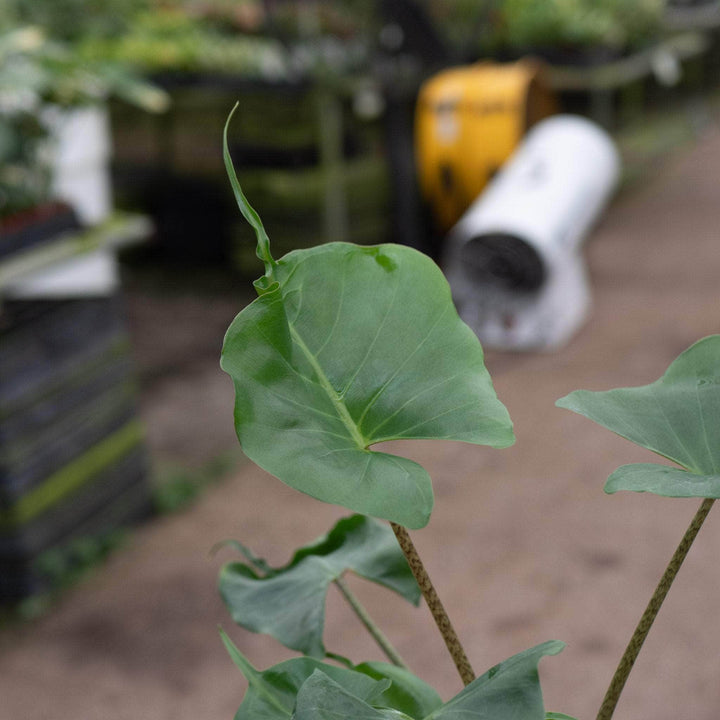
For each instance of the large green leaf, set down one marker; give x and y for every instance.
(289, 602)
(508, 690)
(347, 347)
(677, 416)
(271, 693)
(407, 693)
(297, 688)
(321, 698)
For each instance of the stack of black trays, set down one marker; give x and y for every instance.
(72, 458)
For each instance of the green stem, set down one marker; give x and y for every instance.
(377, 634)
(436, 607)
(643, 628)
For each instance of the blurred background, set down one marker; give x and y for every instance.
(557, 159)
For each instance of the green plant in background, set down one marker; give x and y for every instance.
(170, 40)
(70, 21)
(554, 25)
(325, 367)
(614, 24)
(250, 39)
(61, 567)
(41, 73)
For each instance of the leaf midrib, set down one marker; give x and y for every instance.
(340, 408)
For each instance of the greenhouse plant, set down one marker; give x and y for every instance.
(347, 347)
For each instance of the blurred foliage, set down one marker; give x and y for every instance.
(23, 179)
(497, 26)
(62, 567)
(70, 52)
(73, 20)
(170, 40)
(40, 72)
(248, 38)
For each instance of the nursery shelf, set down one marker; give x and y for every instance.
(614, 74)
(120, 230)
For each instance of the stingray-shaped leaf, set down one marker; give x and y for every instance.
(508, 690)
(321, 698)
(677, 416)
(289, 602)
(272, 693)
(408, 693)
(347, 347)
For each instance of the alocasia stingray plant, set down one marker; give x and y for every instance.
(677, 417)
(347, 347)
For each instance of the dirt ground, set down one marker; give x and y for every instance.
(523, 545)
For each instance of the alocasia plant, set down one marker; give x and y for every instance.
(347, 347)
(677, 417)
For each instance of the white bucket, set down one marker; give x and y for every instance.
(513, 259)
(80, 161)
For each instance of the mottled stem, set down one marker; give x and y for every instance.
(436, 607)
(377, 634)
(643, 628)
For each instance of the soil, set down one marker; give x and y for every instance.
(523, 545)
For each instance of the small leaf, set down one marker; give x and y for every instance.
(508, 690)
(558, 716)
(289, 602)
(321, 698)
(677, 417)
(407, 693)
(663, 480)
(271, 693)
(355, 346)
(256, 562)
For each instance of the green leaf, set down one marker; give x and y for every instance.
(356, 346)
(289, 602)
(321, 698)
(263, 242)
(347, 347)
(271, 693)
(294, 689)
(508, 690)
(677, 417)
(558, 716)
(663, 480)
(407, 693)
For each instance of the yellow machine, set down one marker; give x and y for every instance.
(468, 122)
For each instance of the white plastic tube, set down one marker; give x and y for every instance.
(81, 174)
(513, 258)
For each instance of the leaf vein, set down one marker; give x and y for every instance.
(430, 388)
(387, 383)
(349, 383)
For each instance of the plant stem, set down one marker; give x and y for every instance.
(385, 645)
(643, 628)
(436, 607)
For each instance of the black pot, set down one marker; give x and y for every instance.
(35, 226)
